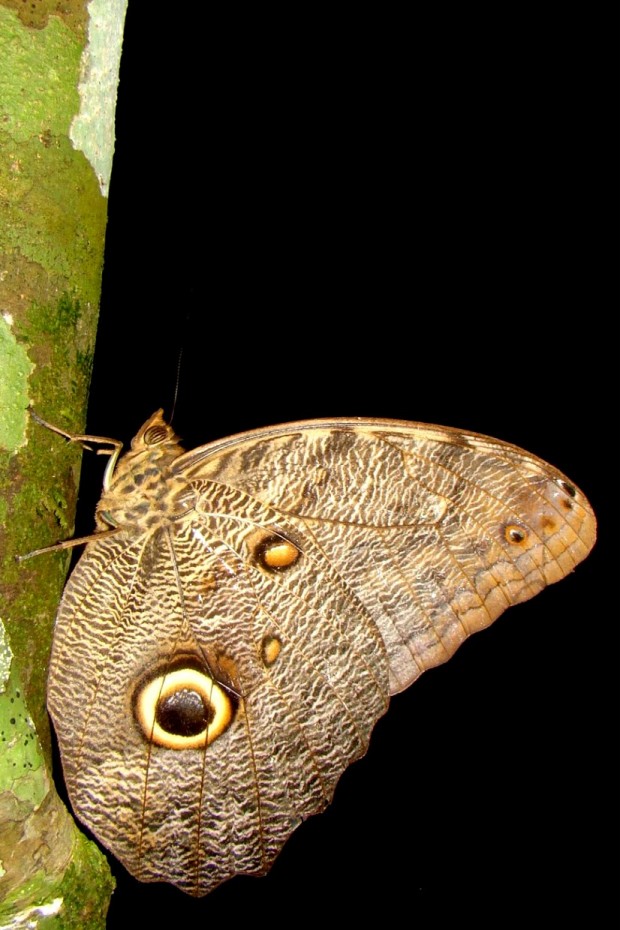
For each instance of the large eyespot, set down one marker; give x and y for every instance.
(276, 553)
(183, 708)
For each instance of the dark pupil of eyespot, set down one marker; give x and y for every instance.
(184, 713)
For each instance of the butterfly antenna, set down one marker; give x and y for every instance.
(179, 362)
(176, 385)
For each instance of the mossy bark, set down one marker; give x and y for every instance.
(58, 73)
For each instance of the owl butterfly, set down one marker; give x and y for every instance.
(244, 612)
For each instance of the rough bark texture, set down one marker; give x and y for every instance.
(58, 73)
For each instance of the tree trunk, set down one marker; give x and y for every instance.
(58, 76)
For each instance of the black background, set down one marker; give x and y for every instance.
(381, 218)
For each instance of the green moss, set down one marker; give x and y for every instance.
(86, 904)
(40, 489)
(40, 838)
(15, 915)
(65, 314)
(23, 583)
(76, 900)
(84, 363)
(50, 60)
(16, 368)
(22, 772)
(54, 214)
(59, 334)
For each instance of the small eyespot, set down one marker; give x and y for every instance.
(276, 553)
(568, 488)
(515, 534)
(271, 647)
(183, 709)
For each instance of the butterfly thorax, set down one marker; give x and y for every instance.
(144, 492)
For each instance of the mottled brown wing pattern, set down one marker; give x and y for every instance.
(219, 662)
(436, 531)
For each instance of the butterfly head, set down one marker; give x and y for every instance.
(156, 432)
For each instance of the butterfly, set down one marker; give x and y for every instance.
(245, 610)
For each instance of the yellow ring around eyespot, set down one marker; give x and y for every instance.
(162, 687)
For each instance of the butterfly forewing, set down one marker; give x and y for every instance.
(219, 662)
(437, 531)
